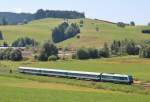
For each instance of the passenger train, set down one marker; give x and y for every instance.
(100, 77)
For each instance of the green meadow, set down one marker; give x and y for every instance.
(25, 90)
(138, 67)
(18, 87)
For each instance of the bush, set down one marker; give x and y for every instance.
(125, 47)
(121, 24)
(97, 29)
(145, 52)
(74, 56)
(83, 54)
(78, 36)
(81, 22)
(132, 49)
(1, 36)
(48, 49)
(132, 23)
(24, 42)
(11, 54)
(93, 53)
(43, 56)
(16, 55)
(52, 58)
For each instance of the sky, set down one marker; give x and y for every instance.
(111, 10)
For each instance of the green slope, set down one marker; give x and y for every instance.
(41, 31)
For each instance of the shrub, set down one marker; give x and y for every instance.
(121, 24)
(145, 52)
(74, 56)
(132, 23)
(78, 36)
(83, 54)
(81, 22)
(24, 42)
(48, 49)
(1, 36)
(43, 56)
(52, 58)
(16, 55)
(132, 49)
(93, 53)
(97, 29)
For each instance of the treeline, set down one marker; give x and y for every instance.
(24, 42)
(92, 53)
(64, 31)
(124, 47)
(58, 14)
(145, 52)
(23, 18)
(11, 54)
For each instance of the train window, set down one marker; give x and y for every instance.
(107, 77)
(120, 78)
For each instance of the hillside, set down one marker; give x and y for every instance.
(41, 31)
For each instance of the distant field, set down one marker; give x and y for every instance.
(139, 68)
(41, 31)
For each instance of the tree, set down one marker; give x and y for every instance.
(148, 24)
(16, 55)
(132, 49)
(105, 52)
(1, 36)
(121, 24)
(81, 22)
(93, 53)
(97, 29)
(4, 21)
(24, 42)
(82, 54)
(58, 14)
(145, 52)
(5, 44)
(11, 54)
(132, 23)
(64, 31)
(48, 49)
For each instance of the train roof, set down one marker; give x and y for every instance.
(45, 69)
(113, 74)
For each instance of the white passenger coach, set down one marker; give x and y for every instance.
(103, 77)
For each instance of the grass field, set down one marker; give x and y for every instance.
(27, 88)
(22, 90)
(139, 68)
(41, 31)
(17, 87)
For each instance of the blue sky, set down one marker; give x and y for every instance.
(112, 10)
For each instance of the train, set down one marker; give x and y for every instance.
(99, 77)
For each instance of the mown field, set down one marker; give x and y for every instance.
(41, 31)
(17, 87)
(18, 90)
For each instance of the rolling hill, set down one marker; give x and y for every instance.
(89, 37)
